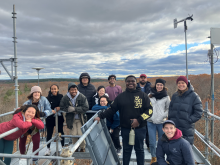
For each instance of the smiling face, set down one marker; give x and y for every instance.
(73, 91)
(36, 95)
(169, 130)
(103, 102)
(29, 113)
(112, 80)
(131, 83)
(101, 92)
(181, 85)
(159, 87)
(54, 90)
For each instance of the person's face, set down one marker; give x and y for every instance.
(169, 130)
(181, 85)
(101, 92)
(36, 95)
(85, 80)
(103, 102)
(112, 80)
(54, 90)
(30, 113)
(159, 87)
(131, 83)
(73, 91)
(143, 80)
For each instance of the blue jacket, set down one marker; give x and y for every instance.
(146, 87)
(116, 119)
(43, 105)
(178, 151)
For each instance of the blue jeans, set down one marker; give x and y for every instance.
(152, 128)
(138, 147)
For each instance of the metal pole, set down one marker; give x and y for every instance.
(57, 140)
(212, 94)
(206, 130)
(9, 132)
(15, 58)
(185, 28)
(12, 61)
(38, 77)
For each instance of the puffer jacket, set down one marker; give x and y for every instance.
(178, 150)
(160, 108)
(43, 105)
(185, 110)
(146, 87)
(18, 121)
(89, 91)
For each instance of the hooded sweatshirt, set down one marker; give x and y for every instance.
(89, 91)
(131, 105)
(177, 149)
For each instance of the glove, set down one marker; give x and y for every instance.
(42, 114)
(71, 109)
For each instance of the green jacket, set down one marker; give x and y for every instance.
(81, 107)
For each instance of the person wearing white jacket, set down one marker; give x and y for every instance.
(160, 102)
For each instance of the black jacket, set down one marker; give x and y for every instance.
(147, 87)
(131, 105)
(54, 102)
(178, 151)
(185, 110)
(89, 91)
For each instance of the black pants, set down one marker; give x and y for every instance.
(50, 123)
(147, 138)
(115, 137)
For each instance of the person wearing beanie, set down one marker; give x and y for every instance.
(86, 88)
(160, 102)
(36, 98)
(113, 90)
(145, 87)
(54, 97)
(185, 108)
(177, 149)
(75, 105)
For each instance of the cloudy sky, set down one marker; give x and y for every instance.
(107, 37)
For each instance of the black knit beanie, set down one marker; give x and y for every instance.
(159, 80)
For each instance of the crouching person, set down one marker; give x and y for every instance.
(177, 149)
(76, 105)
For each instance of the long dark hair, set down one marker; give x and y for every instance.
(24, 108)
(50, 89)
(107, 98)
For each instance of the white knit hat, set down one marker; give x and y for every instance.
(36, 89)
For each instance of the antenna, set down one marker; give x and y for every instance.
(38, 69)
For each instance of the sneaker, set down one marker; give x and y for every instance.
(47, 153)
(119, 151)
(23, 162)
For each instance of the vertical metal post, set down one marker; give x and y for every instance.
(38, 76)
(12, 74)
(212, 94)
(185, 28)
(206, 130)
(57, 140)
(28, 161)
(15, 57)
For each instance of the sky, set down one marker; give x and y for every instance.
(118, 37)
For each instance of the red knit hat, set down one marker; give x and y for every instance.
(182, 78)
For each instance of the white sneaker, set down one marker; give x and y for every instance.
(23, 162)
(47, 153)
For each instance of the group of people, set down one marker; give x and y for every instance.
(146, 109)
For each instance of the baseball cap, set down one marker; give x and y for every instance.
(170, 122)
(143, 75)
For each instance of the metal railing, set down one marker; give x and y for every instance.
(57, 137)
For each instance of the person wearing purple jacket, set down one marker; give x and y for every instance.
(113, 90)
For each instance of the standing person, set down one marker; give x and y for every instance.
(113, 90)
(134, 109)
(76, 105)
(100, 92)
(185, 108)
(160, 102)
(35, 98)
(171, 144)
(54, 97)
(86, 88)
(114, 126)
(23, 118)
(145, 87)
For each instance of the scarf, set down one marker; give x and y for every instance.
(158, 95)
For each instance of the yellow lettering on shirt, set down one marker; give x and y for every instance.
(145, 116)
(137, 102)
(150, 111)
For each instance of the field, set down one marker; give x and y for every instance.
(201, 84)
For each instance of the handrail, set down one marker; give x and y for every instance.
(210, 114)
(196, 132)
(7, 113)
(9, 132)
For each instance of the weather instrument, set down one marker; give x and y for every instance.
(185, 28)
